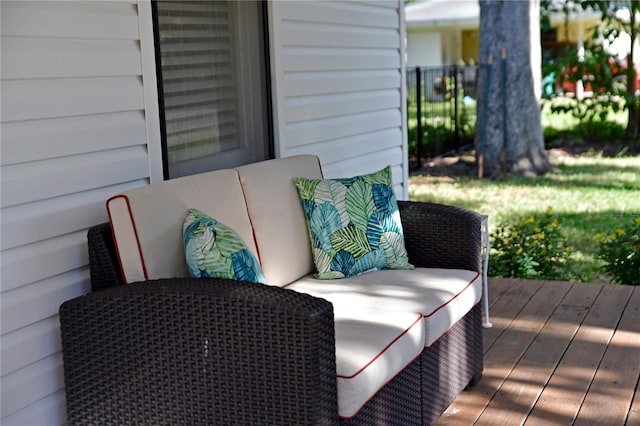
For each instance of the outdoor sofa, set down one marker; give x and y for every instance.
(386, 347)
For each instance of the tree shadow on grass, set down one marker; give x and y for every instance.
(595, 176)
(462, 168)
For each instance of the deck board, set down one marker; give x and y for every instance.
(558, 353)
(633, 418)
(610, 393)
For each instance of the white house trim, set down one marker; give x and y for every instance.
(403, 96)
(151, 106)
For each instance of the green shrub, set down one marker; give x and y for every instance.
(603, 130)
(621, 252)
(533, 247)
(434, 138)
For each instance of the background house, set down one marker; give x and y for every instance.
(442, 32)
(80, 112)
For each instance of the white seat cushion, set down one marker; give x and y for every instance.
(442, 296)
(372, 347)
(147, 221)
(280, 227)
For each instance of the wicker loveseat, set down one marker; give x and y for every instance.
(385, 347)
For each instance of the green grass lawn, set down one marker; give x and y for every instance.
(589, 194)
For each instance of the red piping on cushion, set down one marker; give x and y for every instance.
(454, 297)
(426, 316)
(382, 351)
(449, 301)
(135, 232)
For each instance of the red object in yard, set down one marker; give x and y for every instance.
(619, 70)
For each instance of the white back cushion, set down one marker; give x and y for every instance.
(279, 224)
(147, 221)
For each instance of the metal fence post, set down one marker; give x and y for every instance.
(456, 114)
(419, 117)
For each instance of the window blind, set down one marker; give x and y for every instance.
(199, 77)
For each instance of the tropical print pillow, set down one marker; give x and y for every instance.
(214, 250)
(354, 224)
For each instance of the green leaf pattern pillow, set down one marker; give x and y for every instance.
(354, 224)
(214, 250)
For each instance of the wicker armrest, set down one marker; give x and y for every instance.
(199, 351)
(441, 236)
(103, 259)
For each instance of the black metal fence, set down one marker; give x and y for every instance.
(441, 110)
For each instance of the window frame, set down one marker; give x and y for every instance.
(268, 97)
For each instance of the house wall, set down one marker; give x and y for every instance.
(78, 124)
(470, 40)
(576, 30)
(452, 45)
(338, 81)
(436, 47)
(620, 46)
(445, 45)
(424, 49)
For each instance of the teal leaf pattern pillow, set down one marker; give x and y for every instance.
(354, 224)
(214, 250)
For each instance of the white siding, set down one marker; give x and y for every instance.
(338, 85)
(79, 124)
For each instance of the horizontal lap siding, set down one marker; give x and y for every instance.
(338, 85)
(78, 125)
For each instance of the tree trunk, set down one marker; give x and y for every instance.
(508, 128)
(633, 125)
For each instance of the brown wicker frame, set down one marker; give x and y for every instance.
(186, 351)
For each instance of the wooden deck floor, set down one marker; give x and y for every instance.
(558, 354)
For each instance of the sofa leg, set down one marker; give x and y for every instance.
(474, 381)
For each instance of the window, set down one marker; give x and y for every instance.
(212, 83)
